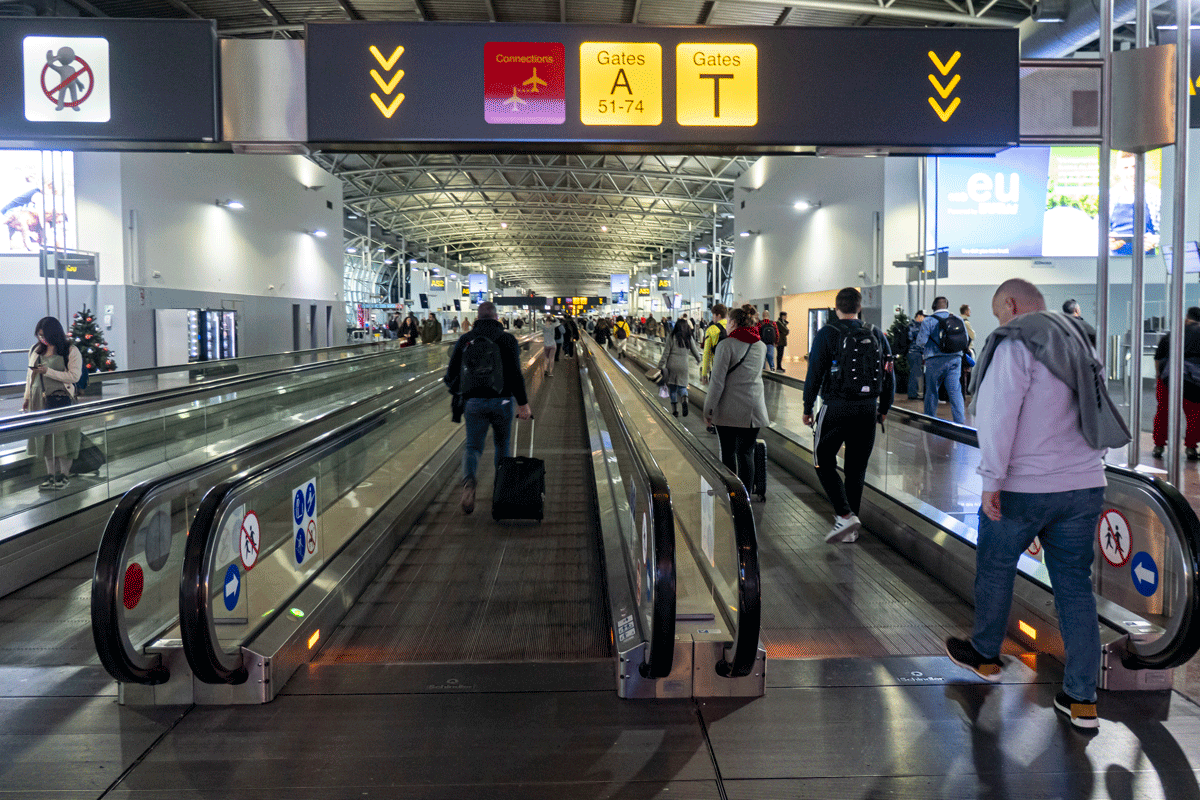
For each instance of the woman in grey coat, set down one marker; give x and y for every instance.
(674, 364)
(735, 403)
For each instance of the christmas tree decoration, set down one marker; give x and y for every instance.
(87, 337)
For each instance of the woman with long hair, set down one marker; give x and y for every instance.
(735, 403)
(675, 366)
(54, 368)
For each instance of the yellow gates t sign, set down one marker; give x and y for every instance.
(716, 84)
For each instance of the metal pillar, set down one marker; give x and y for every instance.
(1106, 40)
(1137, 305)
(1183, 17)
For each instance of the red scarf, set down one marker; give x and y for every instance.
(747, 335)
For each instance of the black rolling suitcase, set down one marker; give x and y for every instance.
(760, 469)
(520, 486)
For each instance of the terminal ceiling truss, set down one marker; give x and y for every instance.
(543, 222)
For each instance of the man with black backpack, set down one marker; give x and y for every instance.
(485, 377)
(850, 367)
(943, 340)
(770, 337)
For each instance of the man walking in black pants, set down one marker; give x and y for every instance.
(850, 366)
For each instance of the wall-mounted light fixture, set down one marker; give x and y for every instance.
(745, 234)
(320, 234)
(806, 205)
(235, 205)
(351, 249)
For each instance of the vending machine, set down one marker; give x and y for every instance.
(177, 336)
(219, 334)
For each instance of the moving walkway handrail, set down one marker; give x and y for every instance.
(739, 659)
(8, 389)
(118, 654)
(208, 661)
(72, 417)
(661, 636)
(1181, 647)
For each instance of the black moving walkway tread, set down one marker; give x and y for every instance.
(465, 588)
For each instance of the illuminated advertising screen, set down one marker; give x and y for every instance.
(1031, 202)
(37, 201)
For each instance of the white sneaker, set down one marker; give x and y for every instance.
(845, 529)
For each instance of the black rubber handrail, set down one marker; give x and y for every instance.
(76, 414)
(195, 589)
(744, 653)
(146, 372)
(1186, 642)
(116, 653)
(661, 637)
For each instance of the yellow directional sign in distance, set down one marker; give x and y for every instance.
(620, 83)
(716, 84)
(387, 83)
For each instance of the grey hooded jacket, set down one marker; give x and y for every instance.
(1060, 343)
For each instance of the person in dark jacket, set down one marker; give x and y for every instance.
(570, 336)
(1191, 396)
(781, 326)
(844, 419)
(484, 408)
(410, 329)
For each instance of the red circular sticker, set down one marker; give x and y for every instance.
(135, 581)
(1115, 537)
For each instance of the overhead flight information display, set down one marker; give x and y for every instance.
(764, 89)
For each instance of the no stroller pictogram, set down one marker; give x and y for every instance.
(69, 68)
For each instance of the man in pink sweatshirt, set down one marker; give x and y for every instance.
(1041, 477)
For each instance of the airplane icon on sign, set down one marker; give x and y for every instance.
(533, 83)
(514, 101)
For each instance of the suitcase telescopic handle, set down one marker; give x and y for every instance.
(531, 429)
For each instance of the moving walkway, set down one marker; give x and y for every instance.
(922, 498)
(350, 548)
(170, 429)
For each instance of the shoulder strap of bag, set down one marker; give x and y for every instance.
(740, 360)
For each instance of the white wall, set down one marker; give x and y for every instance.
(805, 250)
(186, 251)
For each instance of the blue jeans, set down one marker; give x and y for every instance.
(677, 392)
(914, 374)
(1066, 524)
(479, 414)
(771, 357)
(948, 369)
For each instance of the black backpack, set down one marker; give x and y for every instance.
(951, 336)
(857, 374)
(721, 332)
(621, 334)
(767, 332)
(902, 340)
(482, 372)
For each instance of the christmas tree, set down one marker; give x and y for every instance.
(898, 331)
(89, 340)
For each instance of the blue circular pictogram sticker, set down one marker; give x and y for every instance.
(298, 507)
(1144, 572)
(301, 549)
(233, 587)
(310, 500)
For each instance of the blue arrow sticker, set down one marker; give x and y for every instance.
(233, 587)
(1144, 573)
(298, 507)
(300, 542)
(310, 500)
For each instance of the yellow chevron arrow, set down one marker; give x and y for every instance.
(944, 115)
(388, 110)
(387, 63)
(949, 65)
(390, 85)
(943, 92)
